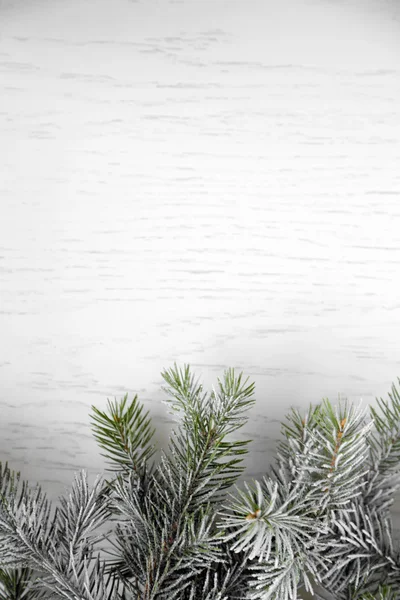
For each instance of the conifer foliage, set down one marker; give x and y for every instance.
(321, 516)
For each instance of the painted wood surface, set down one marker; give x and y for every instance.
(213, 183)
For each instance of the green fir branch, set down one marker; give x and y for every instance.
(125, 434)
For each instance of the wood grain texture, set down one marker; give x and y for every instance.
(209, 183)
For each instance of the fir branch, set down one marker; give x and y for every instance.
(260, 515)
(16, 583)
(200, 449)
(341, 448)
(200, 463)
(61, 550)
(369, 552)
(125, 434)
(319, 517)
(79, 516)
(158, 547)
(22, 510)
(280, 517)
(383, 479)
(381, 482)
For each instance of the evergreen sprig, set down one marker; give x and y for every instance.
(320, 518)
(211, 463)
(183, 489)
(60, 549)
(125, 434)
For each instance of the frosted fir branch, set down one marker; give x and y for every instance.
(303, 455)
(222, 412)
(225, 580)
(340, 447)
(201, 447)
(260, 515)
(383, 478)
(200, 463)
(369, 545)
(60, 551)
(319, 515)
(276, 580)
(158, 531)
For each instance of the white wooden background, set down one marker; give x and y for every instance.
(207, 182)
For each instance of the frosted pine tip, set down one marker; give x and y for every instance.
(254, 515)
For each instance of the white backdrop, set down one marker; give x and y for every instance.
(207, 182)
